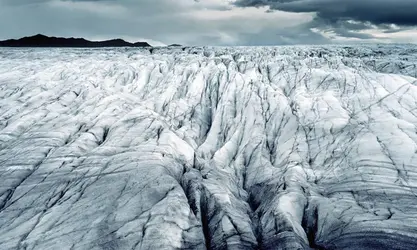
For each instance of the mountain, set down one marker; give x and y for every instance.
(175, 45)
(45, 41)
(305, 147)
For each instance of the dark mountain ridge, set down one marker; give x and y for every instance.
(45, 41)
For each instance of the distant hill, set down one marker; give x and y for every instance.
(45, 41)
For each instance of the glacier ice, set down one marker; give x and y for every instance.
(209, 148)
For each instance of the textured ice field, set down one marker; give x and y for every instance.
(209, 148)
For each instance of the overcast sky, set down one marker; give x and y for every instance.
(215, 22)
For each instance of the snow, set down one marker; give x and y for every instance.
(219, 148)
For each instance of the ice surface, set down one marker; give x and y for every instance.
(218, 148)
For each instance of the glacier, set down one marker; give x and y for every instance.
(293, 147)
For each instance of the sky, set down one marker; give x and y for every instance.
(215, 22)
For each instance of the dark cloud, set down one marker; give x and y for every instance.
(399, 12)
(343, 28)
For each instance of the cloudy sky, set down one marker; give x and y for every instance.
(215, 22)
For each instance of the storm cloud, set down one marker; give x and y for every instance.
(399, 12)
